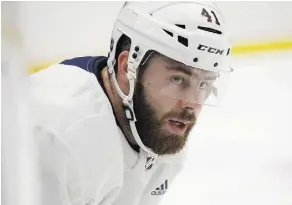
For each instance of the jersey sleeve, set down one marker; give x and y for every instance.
(79, 152)
(54, 170)
(76, 170)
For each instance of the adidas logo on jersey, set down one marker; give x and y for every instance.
(161, 189)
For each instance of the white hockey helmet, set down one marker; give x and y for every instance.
(192, 33)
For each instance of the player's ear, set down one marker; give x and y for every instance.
(122, 72)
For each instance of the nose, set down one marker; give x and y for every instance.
(193, 99)
(191, 105)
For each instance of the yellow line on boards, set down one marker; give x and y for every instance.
(236, 49)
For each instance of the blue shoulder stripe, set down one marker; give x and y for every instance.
(85, 63)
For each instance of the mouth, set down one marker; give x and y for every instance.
(177, 126)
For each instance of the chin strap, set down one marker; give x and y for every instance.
(128, 104)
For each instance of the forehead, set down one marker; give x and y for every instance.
(162, 64)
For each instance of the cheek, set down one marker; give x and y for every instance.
(162, 104)
(199, 109)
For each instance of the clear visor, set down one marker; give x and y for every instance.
(179, 81)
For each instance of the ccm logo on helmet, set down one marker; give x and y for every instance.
(210, 49)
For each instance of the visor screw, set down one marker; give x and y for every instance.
(195, 59)
(216, 64)
(134, 55)
(137, 48)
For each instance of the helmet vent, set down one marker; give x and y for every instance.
(181, 26)
(183, 41)
(209, 30)
(168, 32)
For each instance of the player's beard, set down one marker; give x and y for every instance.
(150, 128)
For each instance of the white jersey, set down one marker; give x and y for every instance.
(84, 158)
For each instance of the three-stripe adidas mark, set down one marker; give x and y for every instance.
(161, 189)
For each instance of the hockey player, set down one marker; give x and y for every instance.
(113, 130)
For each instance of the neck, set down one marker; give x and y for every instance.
(119, 112)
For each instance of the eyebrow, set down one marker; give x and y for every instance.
(188, 72)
